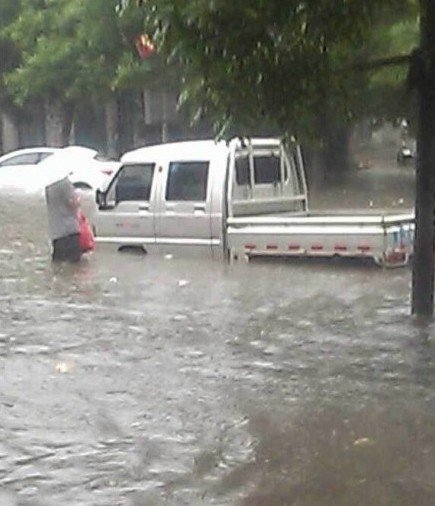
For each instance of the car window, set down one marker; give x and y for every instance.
(43, 156)
(133, 182)
(24, 159)
(187, 181)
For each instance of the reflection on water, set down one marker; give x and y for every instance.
(264, 384)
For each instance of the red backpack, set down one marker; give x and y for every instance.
(87, 241)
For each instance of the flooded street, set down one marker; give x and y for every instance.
(138, 381)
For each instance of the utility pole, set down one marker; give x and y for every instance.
(423, 78)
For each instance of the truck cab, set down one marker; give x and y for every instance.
(178, 195)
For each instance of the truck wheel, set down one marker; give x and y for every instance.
(127, 248)
(393, 259)
(380, 261)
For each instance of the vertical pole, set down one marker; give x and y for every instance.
(423, 265)
(165, 133)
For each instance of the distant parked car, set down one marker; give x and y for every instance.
(27, 156)
(88, 170)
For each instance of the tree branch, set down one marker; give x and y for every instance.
(402, 59)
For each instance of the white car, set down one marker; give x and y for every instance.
(88, 171)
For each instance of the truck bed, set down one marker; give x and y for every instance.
(384, 236)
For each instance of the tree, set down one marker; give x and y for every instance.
(10, 59)
(66, 57)
(281, 63)
(385, 95)
(73, 55)
(10, 55)
(269, 61)
(273, 66)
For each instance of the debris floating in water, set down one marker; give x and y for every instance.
(183, 282)
(363, 441)
(64, 367)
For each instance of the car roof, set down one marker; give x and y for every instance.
(193, 149)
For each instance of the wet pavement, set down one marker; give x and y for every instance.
(138, 381)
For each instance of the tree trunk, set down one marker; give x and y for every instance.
(423, 267)
(165, 131)
(58, 121)
(112, 127)
(72, 138)
(336, 146)
(10, 133)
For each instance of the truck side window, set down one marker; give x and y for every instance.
(187, 181)
(134, 182)
(242, 170)
(267, 169)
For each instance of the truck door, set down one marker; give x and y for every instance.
(127, 215)
(184, 216)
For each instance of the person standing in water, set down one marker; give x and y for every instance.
(63, 205)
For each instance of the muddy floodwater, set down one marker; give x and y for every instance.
(136, 380)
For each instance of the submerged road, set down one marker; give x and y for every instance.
(139, 381)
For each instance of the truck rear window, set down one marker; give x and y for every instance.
(267, 169)
(187, 181)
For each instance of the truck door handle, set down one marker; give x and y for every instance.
(144, 207)
(199, 207)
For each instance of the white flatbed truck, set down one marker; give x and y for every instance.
(243, 199)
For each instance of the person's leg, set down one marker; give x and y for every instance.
(73, 252)
(67, 249)
(57, 254)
